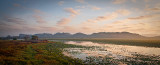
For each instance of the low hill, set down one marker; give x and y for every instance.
(94, 35)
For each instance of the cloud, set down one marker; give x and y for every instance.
(14, 26)
(81, 7)
(153, 9)
(135, 26)
(49, 29)
(20, 6)
(140, 27)
(103, 18)
(95, 8)
(123, 12)
(72, 11)
(86, 28)
(91, 20)
(15, 20)
(141, 17)
(110, 16)
(119, 1)
(64, 21)
(91, 23)
(38, 12)
(28, 29)
(69, 29)
(121, 21)
(39, 16)
(60, 2)
(2, 23)
(80, 1)
(39, 19)
(107, 17)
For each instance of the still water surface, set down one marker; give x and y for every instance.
(113, 54)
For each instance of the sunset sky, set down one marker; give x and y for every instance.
(86, 16)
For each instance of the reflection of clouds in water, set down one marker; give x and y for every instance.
(78, 53)
(85, 43)
(124, 53)
(120, 49)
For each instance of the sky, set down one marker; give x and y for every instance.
(86, 16)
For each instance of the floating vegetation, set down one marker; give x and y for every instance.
(97, 53)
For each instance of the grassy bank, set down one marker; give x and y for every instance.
(25, 53)
(133, 42)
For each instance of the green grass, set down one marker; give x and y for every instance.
(132, 42)
(19, 53)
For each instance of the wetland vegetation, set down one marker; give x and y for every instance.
(80, 52)
(24, 53)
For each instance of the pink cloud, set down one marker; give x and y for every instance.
(123, 12)
(72, 11)
(140, 17)
(39, 16)
(39, 19)
(153, 9)
(38, 12)
(103, 18)
(110, 16)
(64, 21)
(106, 17)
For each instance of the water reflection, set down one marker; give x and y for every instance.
(111, 53)
(120, 49)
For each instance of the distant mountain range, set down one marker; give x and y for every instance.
(126, 35)
(93, 35)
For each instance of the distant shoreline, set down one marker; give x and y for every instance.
(132, 42)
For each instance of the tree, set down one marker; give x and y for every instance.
(14, 38)
(34, 37)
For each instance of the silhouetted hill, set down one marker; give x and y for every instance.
(44, 35)
(115, 35)
(93, 35)
(79, 35)
(62, 35)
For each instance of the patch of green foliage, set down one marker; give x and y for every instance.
(14, 38)
(25, 53)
